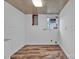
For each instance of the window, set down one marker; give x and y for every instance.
(52, 23)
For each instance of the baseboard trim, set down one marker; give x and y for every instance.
(65, 51)
(41, 44)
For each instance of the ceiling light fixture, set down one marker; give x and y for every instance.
(37, 3)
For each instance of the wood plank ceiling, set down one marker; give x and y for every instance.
(49, 6)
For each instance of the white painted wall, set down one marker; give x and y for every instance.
(14, 30)
(37, 34)
(19, 30)
(67, 31)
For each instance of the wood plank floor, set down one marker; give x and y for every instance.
(40, 52)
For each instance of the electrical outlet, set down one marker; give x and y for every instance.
(56, 42)
(50, 40)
